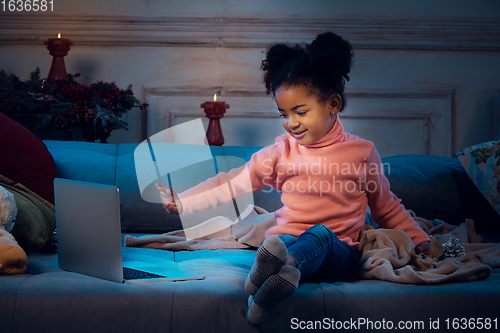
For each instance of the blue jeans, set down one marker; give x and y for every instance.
(321, 256)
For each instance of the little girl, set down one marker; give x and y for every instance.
(326, 177)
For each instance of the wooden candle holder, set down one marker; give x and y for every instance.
(58, 48)
(215, 111)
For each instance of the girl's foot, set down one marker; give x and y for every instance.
(271, 257)
(275, 290)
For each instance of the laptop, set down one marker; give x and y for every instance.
(89, 236)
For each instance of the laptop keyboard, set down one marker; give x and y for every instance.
(134, 274)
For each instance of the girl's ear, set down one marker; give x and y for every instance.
(335, 103)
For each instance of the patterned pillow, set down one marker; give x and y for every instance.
(482, 164)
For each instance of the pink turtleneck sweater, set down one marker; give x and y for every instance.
(330, 182)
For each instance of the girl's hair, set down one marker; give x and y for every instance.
(322, 66)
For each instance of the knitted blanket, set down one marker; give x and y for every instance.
(387, 254)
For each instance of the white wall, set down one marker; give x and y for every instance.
(425, 78)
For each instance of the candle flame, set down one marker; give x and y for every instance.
(215, 97)
(58, 35)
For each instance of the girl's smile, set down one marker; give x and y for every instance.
(299, 135)
(305, 117)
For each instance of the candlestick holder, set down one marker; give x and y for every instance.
(58, 49)
(214, 111)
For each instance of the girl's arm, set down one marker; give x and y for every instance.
(256, 174)
(387, 210)
(219, 190)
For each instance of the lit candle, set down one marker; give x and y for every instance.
(58, 49)
(214, 111)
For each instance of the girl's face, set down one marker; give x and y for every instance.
(304, 116)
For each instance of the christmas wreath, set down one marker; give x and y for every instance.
(64, 105)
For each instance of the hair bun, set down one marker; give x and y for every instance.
(279, 57)
(279, 54)
(321, 67)
(331, 53)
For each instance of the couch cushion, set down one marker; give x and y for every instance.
(371, 302)
(245, 152)
(222, 293)
(84, 161)
(437, 187)
(25, 159)
(139, 215)
(9, 287)
(53, 300)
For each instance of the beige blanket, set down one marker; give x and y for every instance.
(387, 254)
(217, 233)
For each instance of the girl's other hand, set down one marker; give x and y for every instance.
(169, 199)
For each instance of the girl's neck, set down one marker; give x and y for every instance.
(336, 134)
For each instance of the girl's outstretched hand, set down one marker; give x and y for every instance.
(169, 199)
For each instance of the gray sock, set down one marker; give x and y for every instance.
(275, 290)
(271, 256)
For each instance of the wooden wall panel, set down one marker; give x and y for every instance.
(398, 122)
(367, 32)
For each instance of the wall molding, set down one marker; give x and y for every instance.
(424, 118)
(413, 33)
(438, 121)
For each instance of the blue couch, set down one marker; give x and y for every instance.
(48, 299)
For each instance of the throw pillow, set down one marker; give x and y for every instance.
(35, 221)
(25, 159)
(482, 164)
